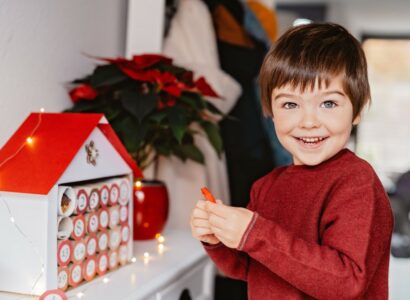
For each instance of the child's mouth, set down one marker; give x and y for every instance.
(311, 142)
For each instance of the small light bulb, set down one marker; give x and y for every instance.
(80, 295)
(134, 259)
(29, 140)
(138, 184)
(146, 258)
(161, 248)
(161, 239)
(12, 220)
(42, 109)
(106, 280)
(42, 269)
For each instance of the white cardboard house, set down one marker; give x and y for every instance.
(31, 172)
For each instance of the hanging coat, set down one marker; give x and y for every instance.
(191, 42)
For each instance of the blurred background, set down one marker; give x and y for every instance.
(44, 44)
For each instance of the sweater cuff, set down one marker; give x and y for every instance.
(247, 231)
(211, 246)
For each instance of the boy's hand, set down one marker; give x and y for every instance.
(228, 223)
(200, 227)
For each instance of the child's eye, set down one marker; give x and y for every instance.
(289, 105)
(328, 104)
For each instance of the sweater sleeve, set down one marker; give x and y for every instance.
(354, 231)
(232, 262)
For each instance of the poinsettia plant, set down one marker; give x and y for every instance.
(151, 104)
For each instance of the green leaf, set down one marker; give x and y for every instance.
(212, 108)
(188, 151)
(191, 102)
(214, 136)
(112, 112)
(178, 122)
(139, 105)
(81, 80)
(172, 69)
(95, 105)
(131, 133)
(165, 151)
(195, 98)
(158, 116)
(106, 75)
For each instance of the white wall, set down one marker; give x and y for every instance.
(144, 14)
(42, 47)
(371, 16)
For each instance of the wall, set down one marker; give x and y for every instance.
(143, 14)
(43, 46)
(370, 16)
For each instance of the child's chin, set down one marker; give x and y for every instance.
(311, 162)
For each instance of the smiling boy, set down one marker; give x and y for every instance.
(320, 228)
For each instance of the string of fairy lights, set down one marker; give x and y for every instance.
(29, 141)
(146, 257)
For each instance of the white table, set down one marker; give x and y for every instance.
(183, 264)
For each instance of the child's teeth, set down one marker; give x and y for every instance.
(312, 140)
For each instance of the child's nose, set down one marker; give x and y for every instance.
(309, 119)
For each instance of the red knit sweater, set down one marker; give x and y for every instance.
(318, 232)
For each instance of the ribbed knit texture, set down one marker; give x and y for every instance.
(320, 232)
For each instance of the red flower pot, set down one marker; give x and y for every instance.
(150, 208)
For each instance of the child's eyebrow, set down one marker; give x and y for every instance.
(285, 95)
(289, 95)
(334, 92)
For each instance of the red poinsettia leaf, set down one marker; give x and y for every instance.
(153, 75)
(150, 75)
(188, 78)
(160, 105)
(173, 90)
(83, 92)
(202, 85)
(147, 60)
(171, 102)
(166, 101)
(167, 78)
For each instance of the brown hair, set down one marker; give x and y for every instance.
(313, 52)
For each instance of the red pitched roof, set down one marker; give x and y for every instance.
(57, 137)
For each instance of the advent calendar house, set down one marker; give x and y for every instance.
(79, 152)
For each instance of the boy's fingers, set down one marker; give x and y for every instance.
(219, 233)
(219, 201)
(216, 221)
(219, 209)
(201, 204)
(201, 223)
(209, 238)
(199, 231)
(200, 214)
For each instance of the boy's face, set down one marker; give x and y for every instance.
(315, 124)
